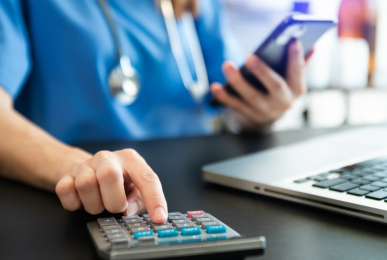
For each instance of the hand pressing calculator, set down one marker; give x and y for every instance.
(191, 235)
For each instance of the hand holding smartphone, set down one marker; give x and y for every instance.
(274, 50)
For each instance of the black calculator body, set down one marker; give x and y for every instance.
(274, 50)
(187, 236)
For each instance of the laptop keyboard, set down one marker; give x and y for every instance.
(367, 179)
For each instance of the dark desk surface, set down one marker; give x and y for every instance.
(33, 224)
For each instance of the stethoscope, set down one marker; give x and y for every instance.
(124, 80)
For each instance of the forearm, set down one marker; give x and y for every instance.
(29, 154)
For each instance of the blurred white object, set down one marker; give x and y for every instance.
(319, 69)
(380, 75)
(350, 64)
(292, 119)
(367, 106)
(326, 108)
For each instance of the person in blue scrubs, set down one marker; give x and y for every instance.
(55, 58)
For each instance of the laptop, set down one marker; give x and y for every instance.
(345, 172)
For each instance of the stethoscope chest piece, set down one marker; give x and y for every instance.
(124, 82)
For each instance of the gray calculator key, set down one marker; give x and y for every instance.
(135, 220)
(194, 217)
(114, 231)
(212, 223)
(153, 225)
(110, 227)
(200, 220)
(145, 216)
(180, 221)
(146, 241)
(174, 214)
(137, 229)
(119, 243)
(116, 236)
(130, 217)
(170, 218)
(184, 225)
(136, 225)
(106, 221)
(162, 227)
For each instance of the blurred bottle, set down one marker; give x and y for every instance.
(357, 19)
(301, 7)
(379, 79)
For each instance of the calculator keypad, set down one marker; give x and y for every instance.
(140, 231)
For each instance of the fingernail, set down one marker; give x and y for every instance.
(252, 62)
(228, 69)
(159, 213)
(295, 48)
(132, 208)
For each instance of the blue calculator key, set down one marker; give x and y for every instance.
(168, 233)
(143, 234)
(215, 229)
(190, 231)
(192, 239)
(168, 242)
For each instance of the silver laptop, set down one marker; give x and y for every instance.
(344, 172)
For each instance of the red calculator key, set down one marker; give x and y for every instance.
(197, 212)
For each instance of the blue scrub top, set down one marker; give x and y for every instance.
(56, 55)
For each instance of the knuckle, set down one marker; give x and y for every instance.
(149, 176)
(63, 188)
(85, 182)
(277, 86)
(108, 174)
(130, 153)
(102, 154)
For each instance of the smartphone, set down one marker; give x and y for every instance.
(274, 50)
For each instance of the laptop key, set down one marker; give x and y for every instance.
(369, 188)
(329, 183)
(320, 178)
(301, 181)
(361, 182)
(378, 195)
(371, 178)
(344, 186)
(349, 177)
(379, 184)
(380, 175)
(358, 192)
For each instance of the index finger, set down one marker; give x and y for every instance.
(147, 182)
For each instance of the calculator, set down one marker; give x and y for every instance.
(190, 235)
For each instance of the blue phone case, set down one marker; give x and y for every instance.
(274, 50)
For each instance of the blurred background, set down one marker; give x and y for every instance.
(347, 75)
